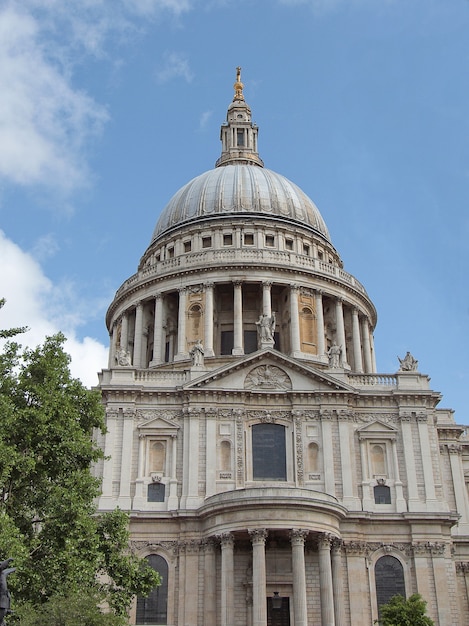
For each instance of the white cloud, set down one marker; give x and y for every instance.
(34, 301)
(175, 65)
(44, 122)
(204, 119)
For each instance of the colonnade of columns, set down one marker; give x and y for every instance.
(362, 357)
(330, 578)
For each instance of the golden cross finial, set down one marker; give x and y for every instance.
(238, 86)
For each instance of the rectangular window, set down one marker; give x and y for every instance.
(187, 246)
(306, 249)
(227, 341)
(289, 244)
(269, 461)
(240, 137)
(206, 242)
(270, 241)
(170, 253)
(227, 240)
(248, 239)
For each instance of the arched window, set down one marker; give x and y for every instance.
(157, 456)
(313, 457)
(389, 579)
(195, 315)
(269, 452)
(225, 456)
(154, 608)
(382, 494)
(378, 460)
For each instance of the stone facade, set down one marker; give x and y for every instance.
(262, 458)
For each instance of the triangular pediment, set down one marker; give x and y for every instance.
(377, 428)
(268, 371)
(158, 424)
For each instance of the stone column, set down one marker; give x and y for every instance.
(297, 538)
(182, 352)
(325, 580)
(349, 480)
(112, 347)
(329, 477)
(411, 471)
(401, 504)
(460, 493)
(138, 335)
(337, 583)
(266, 298)
(259, 592)
(108, 465)
(238, 344)
(173, 483)
(367, 346)
(208, 318)
(158, 356)
(357, 344)
(210, 584)
(339, 318)
(373, 353)
(227, 579)
(125, 332)
(124, 501)
(294, 321)
(429, 480)
(320, 324)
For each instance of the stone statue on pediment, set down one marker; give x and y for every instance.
(197, 354)
(123, 357)
(334, 353)
(408, 363)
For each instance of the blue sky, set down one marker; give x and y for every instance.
(108, 107)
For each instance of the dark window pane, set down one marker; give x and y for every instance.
(382, 494)
(154, 608)
(269, 452)
(155, 492)
(250, 341)
(227, 340)
(389, 578)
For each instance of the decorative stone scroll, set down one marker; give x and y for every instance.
(299, 450)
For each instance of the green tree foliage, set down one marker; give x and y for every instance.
(401, 612)
(10, 332)
(48, 518)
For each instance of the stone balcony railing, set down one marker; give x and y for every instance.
(251, 256)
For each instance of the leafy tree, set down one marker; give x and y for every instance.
(48, 518)
(401, 612)
(10, 332)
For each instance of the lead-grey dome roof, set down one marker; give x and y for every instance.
(240, 189)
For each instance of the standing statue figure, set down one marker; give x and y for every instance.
(334, 353)
(266, 327)
(197, 353)
(4, 593)
(408, 363)
(123, 357)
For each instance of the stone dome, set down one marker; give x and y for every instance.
(240, 189)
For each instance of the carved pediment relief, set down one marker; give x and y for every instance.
(158, 425)
(268, 377)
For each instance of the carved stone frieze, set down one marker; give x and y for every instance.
(299, 450)
(268, 417)
(387, 418)
(462, 567)
(433, 548)
(306, 415)
(268, 377)
(144, 415)
(154, 546)
(240, 450)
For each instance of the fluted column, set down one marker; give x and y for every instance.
(173, 483)
(208, 334)
(325, 580)
(357, 344)
(158, 331)
(238, 319)
(294, 321)
(124, 338)
(297, 538)
(227, 579)
(210, 584)
(320, 323)
(367, 346)
(266, 298)
(182, 351)
(337, 583)
(138, 334)
(259, 593)
(112, 346)
(339, 318)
